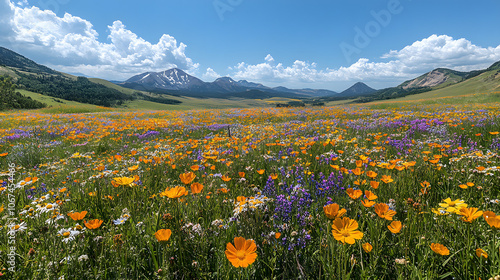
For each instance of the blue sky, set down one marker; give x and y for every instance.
(316, 44)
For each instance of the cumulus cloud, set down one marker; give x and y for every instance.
(6, 16)
(70, 43)
(210, 75)
(396, 65)
(459, 54)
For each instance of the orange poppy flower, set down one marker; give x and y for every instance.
(174, 192)
(336, 167)
(76, 216)
(371, 174)
(196, 188)
(195, 167)
(367, 247)
(358, 182)
(224, 190)
(357, 171)
(187, 178)
(163, 235)
(93, 224)
(370, 196)
(332, 211)
(395, 226)
(344, 230)
(241, 174)
(440, 249)
(481, 253)
(487, 214)
(494, 132)
(367, 203)
(242, 253)
(470, 214)
(384, 212)
(260, 171)
(386, 179)
(374, 184)
(354, 194)
(274, 176)
(241, 200)
(494, 222)
(133, 168)
(225, 178)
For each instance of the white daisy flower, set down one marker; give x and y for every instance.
(18, 228)
(68, 234)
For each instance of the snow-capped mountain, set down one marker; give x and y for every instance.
(176, 81)
(173, 79)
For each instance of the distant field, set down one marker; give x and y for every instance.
(56, 105)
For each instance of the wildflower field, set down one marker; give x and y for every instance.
(268, 193)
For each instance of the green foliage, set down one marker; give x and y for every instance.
(10, 99)
(82, 90)
(161, 100)
(391, 93)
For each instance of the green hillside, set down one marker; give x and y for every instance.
(10, 99)
(486, 82)
(12, 59)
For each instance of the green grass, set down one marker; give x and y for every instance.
(191, 103)
(113, 86)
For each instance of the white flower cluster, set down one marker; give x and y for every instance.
(192, 229)
(244, 204)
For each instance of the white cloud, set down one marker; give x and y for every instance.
(70, 43)
(269, 58)
(445, 51)
(417, 58)
(6, 16)
(210, 75)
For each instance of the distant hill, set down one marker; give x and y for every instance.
(31, 76)
(442, 80)
(439, 77)
(307, 91)
(357, 89)
(18, 62)
(177, 82)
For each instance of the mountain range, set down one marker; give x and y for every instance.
(176, 81)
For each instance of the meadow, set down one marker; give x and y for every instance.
(342, 192)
